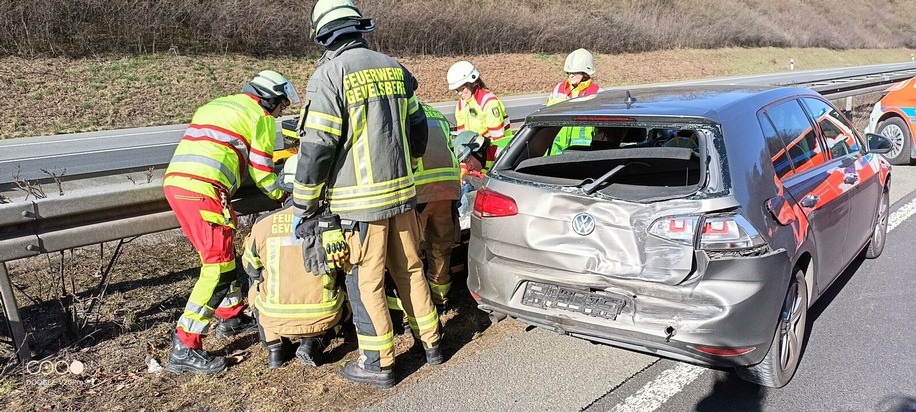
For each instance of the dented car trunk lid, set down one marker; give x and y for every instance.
(566, 223)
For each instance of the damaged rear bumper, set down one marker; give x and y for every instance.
(727, 304)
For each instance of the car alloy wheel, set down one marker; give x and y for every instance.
(781, 361)
(894, 129)
(879, 236)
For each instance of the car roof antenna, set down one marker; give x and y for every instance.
(629, 100)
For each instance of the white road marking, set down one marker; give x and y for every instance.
(668, 383)
(901, 214)
(657, 392)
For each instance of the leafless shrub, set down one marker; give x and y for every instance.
(31, 188)
(58, 179)
(447, 27)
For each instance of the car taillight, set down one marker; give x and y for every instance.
(725, 232)
(678, 229)
(493, 204)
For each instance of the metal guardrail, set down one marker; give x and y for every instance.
(103, 211)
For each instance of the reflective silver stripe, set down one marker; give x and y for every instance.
(361, 145)
(274, 186)
(273, 269)
(374, 201)
(368, 190)
(193, 326)
(232, 298)
(289, 241)
(307, 192)
(207, 161)
(261, 160)
(222, 137)
(324, 122)
(410, 163)
(196, 309)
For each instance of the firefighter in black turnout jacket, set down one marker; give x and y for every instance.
(362, 134)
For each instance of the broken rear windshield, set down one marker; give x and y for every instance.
(631, 163)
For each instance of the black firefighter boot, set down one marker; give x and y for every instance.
(384, 378)
(184, 359)
(434, 355)
(275, 354)
(311, 349)
(235, 326)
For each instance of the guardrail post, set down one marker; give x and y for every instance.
(11, 310)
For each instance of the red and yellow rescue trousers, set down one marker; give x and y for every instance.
(207, 219)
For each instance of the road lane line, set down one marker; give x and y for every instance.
(657, 392)
(901, 214)
(668, 383)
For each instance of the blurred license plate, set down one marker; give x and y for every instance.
(542, 295)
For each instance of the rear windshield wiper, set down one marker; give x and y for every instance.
(591, 186)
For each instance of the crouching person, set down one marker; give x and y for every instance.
(292, 299)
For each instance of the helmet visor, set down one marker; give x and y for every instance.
(289, 91)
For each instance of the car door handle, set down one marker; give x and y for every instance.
(810, 200)
(851, 178)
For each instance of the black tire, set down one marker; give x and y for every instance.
(896, 129)
(879, 235)
(779, 365)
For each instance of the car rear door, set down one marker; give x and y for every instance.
(859, 179)
(805, 172)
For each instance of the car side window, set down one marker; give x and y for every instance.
(837, 132)
(798, 134)
(778, 154)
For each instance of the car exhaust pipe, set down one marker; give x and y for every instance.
(496, 317)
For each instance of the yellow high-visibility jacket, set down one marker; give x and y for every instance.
(484, 114)
(228, 138)
(438, 175)
(571, 136)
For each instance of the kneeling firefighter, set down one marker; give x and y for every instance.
(294, 294)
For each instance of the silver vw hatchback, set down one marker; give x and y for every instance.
(697, 224)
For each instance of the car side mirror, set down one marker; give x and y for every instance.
(879, 144)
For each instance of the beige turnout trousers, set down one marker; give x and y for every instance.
(438, 225)
(373, 246)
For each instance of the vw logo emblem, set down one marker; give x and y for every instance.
(583, 224)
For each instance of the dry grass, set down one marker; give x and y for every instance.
(446, 27)
(66, 95)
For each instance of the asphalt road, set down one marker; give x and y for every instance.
(858, 357)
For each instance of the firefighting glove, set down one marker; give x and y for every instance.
(332, 239)
(312, 250)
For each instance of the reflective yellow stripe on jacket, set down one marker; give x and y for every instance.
(437, 176)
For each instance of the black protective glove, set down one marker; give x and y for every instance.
(313, 253)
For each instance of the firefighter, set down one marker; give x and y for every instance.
(293, 295)
(228, 138)
(438, 180)
(579, 67)
(478, 110)
(362, 132)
